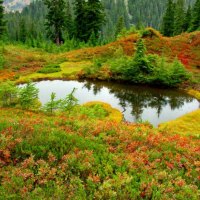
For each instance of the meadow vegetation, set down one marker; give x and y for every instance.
(63, 150)
(83, 155)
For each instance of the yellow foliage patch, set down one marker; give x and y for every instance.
(68, 69)
(194, 93)
(114, 114)
(188, 124)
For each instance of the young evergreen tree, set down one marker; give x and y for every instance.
(28, 96)
(187, 19)
(2, 22)
(56, 20)
(168, 20)
(53, 105)
(196, 16)
(179, 17)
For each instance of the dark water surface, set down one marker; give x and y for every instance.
(135, 102)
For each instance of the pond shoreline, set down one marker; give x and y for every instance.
(125, 97)
(182, 88)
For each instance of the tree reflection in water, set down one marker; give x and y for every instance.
(140, 98)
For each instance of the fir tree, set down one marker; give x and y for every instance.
(56, 19)
(2, 22)
(187, 20)
(179, 17)
(69, 20)
(168, 20)
(89, 18)
(196, 16)
(95, 17)
(22, 33)
(80, 17)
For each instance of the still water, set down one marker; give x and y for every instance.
(135, 102)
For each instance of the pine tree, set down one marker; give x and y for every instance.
(56, 19)
(2, 22)
(69, 20)
(80, 17)
(120, 26)
(196, 16)
(187, 20)
(89, 18)
(22, 31)
(179, 17)
(168, 20)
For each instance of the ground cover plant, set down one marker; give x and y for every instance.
(81, 157)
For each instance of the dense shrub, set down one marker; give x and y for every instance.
(8, 93)
(149, 69)
(28, 97)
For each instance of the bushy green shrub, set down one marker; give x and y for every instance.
(28, 96)
(50, 69)
(93, 112)
(8, 93)
(149, 69)
(169, 74)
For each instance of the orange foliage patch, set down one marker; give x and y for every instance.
(185, 47)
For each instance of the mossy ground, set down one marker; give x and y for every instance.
(188, 124)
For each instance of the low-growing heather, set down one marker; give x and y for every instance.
(79, 157)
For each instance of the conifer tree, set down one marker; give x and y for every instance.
(69, 20)
(120, 26)
(22, 29)
(56, 19)
(179, 17)
(196, 16)
(187, 19)
(80, 17)
(2, 22)
(89, 18)
(168, 20)
(95, 17)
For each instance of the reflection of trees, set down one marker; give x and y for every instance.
(139, 98)
(87, 85)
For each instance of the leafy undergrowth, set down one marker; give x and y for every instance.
(185, 47)
(21, 61)
(187, 125)
(77, 156)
